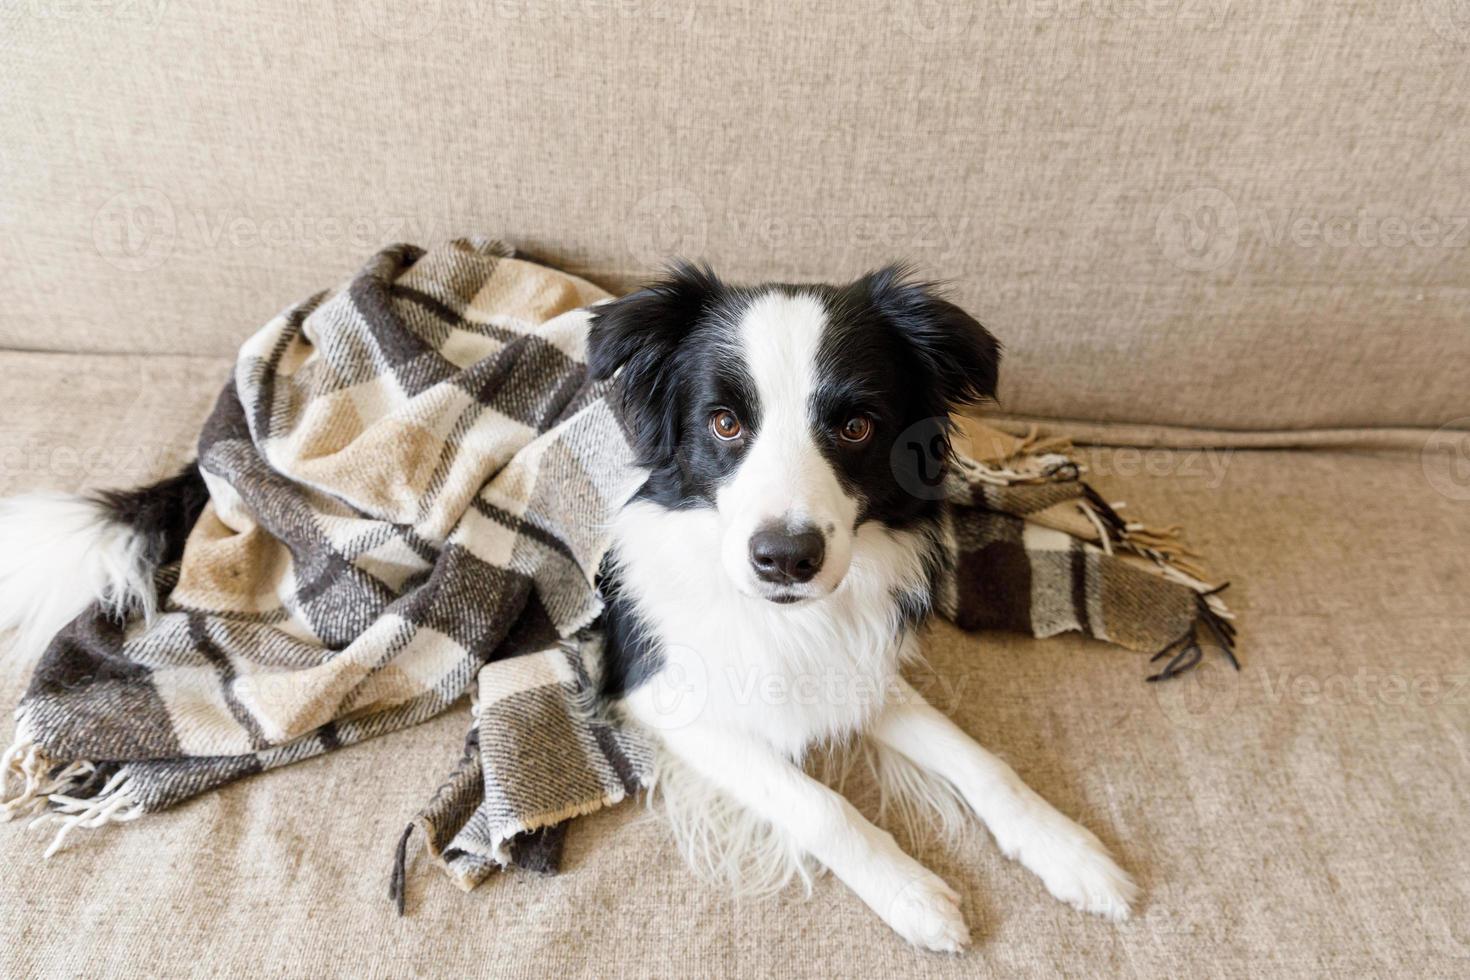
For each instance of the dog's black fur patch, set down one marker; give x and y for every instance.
(163, 513)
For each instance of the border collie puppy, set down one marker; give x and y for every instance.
(767, 581)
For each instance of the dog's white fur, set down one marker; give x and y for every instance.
(59, 554)
(749, 688)
(783, 477)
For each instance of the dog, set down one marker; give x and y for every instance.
(781, 543)
(762, 588)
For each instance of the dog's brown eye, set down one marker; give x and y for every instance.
(856, 429)
(724, 425)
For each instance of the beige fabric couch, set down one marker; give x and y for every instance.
(1233, 229)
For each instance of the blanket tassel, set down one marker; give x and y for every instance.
(31, 785)
(1186, 651)
(114, 803)
(398, 882)
(29, 780)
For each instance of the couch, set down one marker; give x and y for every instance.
(1225, 244)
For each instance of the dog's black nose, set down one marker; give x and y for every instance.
(786, 557)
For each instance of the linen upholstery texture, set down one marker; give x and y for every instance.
(1114, 188)
(1291, 818)
(164, 195)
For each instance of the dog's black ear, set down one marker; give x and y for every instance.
(639, 334)
(951, 344)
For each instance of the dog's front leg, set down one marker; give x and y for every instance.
(913, 900)
(1068, 858)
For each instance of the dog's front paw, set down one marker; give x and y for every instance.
(926, 912)
(1076, 868)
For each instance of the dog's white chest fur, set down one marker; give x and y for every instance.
(795, 674)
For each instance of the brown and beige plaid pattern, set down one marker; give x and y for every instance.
(410, 482)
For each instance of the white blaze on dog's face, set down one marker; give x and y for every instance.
(789, 411)
(788, 520)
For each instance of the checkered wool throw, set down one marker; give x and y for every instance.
(409, 484)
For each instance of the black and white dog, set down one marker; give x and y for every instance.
(770, 577)
(764, 585)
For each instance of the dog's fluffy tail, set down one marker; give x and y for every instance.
(59, 553)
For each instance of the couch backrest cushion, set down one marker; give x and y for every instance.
(1192, 212)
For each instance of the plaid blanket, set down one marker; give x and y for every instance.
(409, 484)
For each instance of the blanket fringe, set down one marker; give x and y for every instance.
(1036, 460)
(29, 779)
(1033, 443)
(31, 785)
(1187, 651)
(1046, 461)
(114, 803)
(398, 881)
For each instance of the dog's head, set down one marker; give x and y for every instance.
(791, 410)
